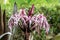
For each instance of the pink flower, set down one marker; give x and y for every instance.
(39, 20)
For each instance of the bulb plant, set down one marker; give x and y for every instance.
(27, 22)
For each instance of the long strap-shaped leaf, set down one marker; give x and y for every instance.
(9, 33)
(15, 8)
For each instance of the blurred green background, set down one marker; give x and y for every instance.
(51, 9)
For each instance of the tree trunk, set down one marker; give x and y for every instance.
(4, 22)
(1, 22)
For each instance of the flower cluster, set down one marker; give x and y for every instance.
(29, 20)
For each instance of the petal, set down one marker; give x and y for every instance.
(22, 12)
(31, 11)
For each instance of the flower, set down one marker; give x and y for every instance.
(39, 20)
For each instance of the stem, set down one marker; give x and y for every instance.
(27, 34)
